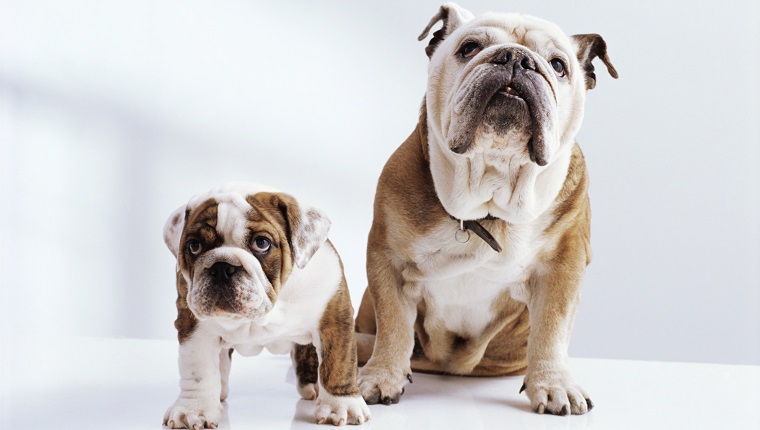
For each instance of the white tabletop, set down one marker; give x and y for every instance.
(87, 383)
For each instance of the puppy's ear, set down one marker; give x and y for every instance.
(452, 16)
(590, 46)
(306, 227)
(173, 229)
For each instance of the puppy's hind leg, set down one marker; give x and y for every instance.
(306, 364)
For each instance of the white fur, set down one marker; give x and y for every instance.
(200, 383)
(340, 410)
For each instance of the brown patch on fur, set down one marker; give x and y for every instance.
(200, 225)
(338, 368)
(307, 364)
(573, 211)
(406, 185)
(185, 322)
(274, 216)
(591, 46)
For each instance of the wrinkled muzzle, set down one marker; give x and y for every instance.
(505, 99)
(229, 282)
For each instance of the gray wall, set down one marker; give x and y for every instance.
(113, 115)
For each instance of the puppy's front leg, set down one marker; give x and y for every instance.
(554, 299)
(338, 399)
(198, 405)
(386, 373)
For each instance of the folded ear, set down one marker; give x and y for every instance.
(173, 229)
(306, 227)
(452, 16)
(590, 46)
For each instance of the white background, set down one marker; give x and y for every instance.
(113, 114)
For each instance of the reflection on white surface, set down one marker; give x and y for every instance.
(92, 383)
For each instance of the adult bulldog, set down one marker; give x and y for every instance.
(255, 270)
(481, 226)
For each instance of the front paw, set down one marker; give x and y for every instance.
(379, 385)
(555, 392)
(340, 410)
(193, 414)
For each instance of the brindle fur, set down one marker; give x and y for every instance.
(338, 368)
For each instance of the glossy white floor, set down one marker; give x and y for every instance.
(89, 383)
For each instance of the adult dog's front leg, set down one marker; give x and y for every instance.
(383, 378)
(554, 299)
(198, 405)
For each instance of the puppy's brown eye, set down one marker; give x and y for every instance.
(559, 67)
(194, 247)
(261, 244)
(469, 49)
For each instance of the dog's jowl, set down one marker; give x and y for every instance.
(481, 230)
(255, 270)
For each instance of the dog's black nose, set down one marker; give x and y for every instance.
(514, 57)
(222, 271)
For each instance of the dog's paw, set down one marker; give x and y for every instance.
(308, 391)
(555, 392)
(340, 410)
(193, 414)
(378, 385)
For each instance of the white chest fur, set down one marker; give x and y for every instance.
(460, 281)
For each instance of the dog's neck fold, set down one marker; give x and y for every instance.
(492, 183)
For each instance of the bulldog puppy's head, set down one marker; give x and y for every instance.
(236, 246)
(507, 83)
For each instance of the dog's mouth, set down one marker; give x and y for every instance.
(224, 302)
(498, 110)
(509, 91)
(239, 297)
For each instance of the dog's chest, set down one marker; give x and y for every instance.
(285, 325)
(459, 282)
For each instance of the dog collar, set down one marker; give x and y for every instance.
(463, 234)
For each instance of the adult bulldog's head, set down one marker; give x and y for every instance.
(507, 82)
(236, 246)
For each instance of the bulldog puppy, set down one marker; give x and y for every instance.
(255, 270)
(481, 227)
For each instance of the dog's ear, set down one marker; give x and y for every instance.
(306, 227)
(173, 229)
(452, 16)
(588, 47)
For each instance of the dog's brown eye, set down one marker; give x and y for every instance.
(559, 67)
(194, 246)
(261, 244)
(469, 49)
